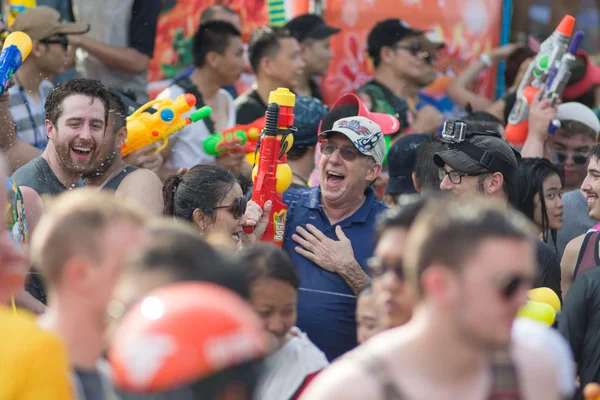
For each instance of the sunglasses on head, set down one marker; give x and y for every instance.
(348, 153)
(64, 41)
(380, 268)
(237, 208)
(510, 285)
(578, 158)
(415, 49)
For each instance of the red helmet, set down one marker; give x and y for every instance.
(182, 333)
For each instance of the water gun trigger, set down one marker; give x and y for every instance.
(162, 147)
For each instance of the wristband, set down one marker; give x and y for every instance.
(486, 60)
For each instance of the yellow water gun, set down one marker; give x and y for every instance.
(144, 128)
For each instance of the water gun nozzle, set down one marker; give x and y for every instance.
(566, 25)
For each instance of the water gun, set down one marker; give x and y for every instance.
(546, 77)
(542, 306)
(15, 50)
(240, 138)
(144, 128)
(12, 8)
(272, 176)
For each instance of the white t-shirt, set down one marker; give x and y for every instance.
(536, 334)
(187, 148)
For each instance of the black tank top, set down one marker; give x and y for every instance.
(114, 183)
(505, 381)
(588, 254)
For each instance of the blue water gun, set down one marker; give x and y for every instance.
(16, 49)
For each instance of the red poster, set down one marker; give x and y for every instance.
(468, 27)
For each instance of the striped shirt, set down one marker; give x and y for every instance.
(29, 116)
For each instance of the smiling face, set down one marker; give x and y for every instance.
(225, 222)
(78, 133)
(591, 188)
(343, 180)
(552, 198)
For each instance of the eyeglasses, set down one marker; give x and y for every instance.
(511, 284)
(380, 268)
(237, 208)
(578, 158)
(348, 153)
(416, 50)
(62, 41)
(456, 177)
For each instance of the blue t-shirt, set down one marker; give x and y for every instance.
(326, 304)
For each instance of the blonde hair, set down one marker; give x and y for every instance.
(73, 224)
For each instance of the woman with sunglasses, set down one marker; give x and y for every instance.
(273, 284)
(211, 198)
(537, 192)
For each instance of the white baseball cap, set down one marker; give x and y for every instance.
(363, 133)
(573, 111)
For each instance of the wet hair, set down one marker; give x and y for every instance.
(594, 152)
(264, 42)
(178, 250)
(203, 187)
(426, 172)
(209, 14)
(212, 36)
(337, 113)
(86, 87)
(119, 110)
(529, 182)
(267, 261)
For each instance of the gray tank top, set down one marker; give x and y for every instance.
(38, 175)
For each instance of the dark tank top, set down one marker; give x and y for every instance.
(588, 254)
(114, 183)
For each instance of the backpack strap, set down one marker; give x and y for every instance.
(505, 380)
(188, 87)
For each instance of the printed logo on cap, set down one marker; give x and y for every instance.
(368, 143)
(355, 126)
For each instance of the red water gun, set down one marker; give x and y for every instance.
(272, 176)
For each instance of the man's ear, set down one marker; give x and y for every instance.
(373, 172)
(38, 49)
(496, 182)
(266, 66)
(50, 129)
(386, 53)
(212, 59)
(416, 183)
(121, 136)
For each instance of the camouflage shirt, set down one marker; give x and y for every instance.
(378, 98)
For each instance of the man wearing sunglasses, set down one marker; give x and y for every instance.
(329, 232)
(470, 266)
(33, 80)
(567, 147)
(485, 164)
(403, 58)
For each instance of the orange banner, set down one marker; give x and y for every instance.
(468, 27)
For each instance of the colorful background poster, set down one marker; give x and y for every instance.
(468, 27)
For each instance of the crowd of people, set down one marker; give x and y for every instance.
(403, 270)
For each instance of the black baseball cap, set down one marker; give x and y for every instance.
(391, 31)
(308, 113)
(401, 161)
(497, 156)
(310, 26)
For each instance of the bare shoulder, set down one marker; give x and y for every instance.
(144, 187)
(535, 366)
(346, 378)
(573, 247)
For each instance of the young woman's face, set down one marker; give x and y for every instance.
(276, 302)
(226, 222)
(553, 191)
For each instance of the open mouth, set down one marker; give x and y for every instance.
(236, 236)
(591, 199)
(334, 178)
(81, 151)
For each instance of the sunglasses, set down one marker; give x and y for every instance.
(380, 268)
(456, 177)
(62, 41)
(578, 158)
(348, 153)
(415, 50)
(237, 208)
(510, 285)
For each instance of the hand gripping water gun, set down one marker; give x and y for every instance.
(144, 129)
(240, 138)
(17, 47)
(272, 176)
(546, 77)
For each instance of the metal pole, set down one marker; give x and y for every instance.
(504, 39)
